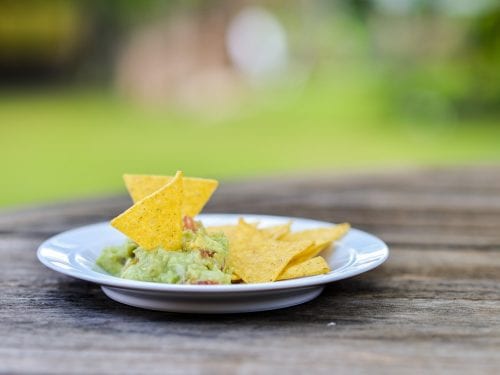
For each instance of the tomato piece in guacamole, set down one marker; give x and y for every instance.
(202, 259)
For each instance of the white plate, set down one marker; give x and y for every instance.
(74, 253)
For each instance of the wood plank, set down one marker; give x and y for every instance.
(434, 307)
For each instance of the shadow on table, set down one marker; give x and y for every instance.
(84, 305)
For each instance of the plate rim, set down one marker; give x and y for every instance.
(303, 282)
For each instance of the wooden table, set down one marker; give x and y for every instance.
(433, 307)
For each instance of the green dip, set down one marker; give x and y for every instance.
(202, 260)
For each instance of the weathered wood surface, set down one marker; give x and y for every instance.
(434, 307)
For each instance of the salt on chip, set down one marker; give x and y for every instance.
(197, 191)
(258, 259)
(155, 221)
(310, 267)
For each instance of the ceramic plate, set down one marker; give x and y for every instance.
(74, 253)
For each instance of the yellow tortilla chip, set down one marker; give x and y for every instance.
(197, 191)
(277, 232)
(155, 221)
(329, 234)
(310, 267)
(226, 229)
(258, 259)
(322, 237)
(308, 253)
(230, 231)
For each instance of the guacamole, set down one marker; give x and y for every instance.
(202, 259)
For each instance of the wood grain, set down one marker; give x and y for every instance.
(434, 307)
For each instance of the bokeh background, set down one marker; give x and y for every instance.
(236, 89)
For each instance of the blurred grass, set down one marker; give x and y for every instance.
(61, 144)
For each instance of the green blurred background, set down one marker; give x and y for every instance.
(233, 89)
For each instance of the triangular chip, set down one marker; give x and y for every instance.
(277, 232)
(156, 220)
(228, 230)
(258, 259)
(322, 237)
(309, 253)
(328, 234)
(311, 267)
(197, 191)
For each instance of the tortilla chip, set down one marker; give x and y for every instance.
(277, 232)
(258, 259)
(308, 253)
(322, 237)
(230, 232)
(155, 221)
(197, 191)
(311, 267)
(226, 229)
(319, 235)
(140, 186)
